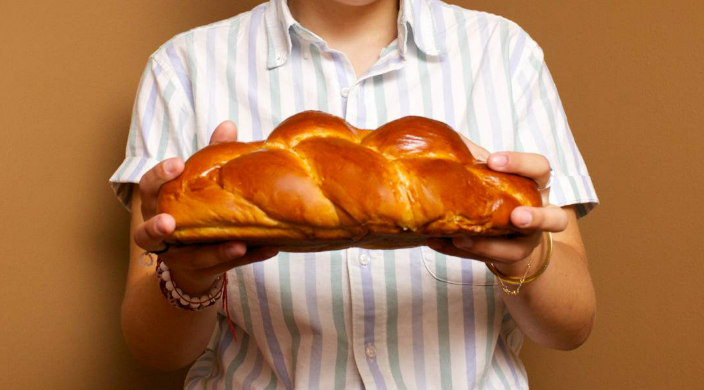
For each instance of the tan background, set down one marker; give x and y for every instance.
(631, 80)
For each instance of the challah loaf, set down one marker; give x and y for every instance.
(317, 183)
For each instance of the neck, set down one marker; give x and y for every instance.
(355, 30)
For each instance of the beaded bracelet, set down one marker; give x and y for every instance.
(177, 298)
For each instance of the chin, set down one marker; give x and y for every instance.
(356, 3)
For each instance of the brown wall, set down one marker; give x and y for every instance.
(631, 79)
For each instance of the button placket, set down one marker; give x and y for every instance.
(365, 257)
(359, 347)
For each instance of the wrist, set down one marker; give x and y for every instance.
(516, 268)
(180, 297)
(193, 286)
(529, 275)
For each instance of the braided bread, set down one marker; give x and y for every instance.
(318, 183)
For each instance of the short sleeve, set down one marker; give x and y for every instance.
(541, 127)
(162, 118)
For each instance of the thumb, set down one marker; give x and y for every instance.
(150, 235)
(225, 132)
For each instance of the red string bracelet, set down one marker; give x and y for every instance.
(227, 309)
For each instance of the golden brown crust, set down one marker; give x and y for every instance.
(317, 183)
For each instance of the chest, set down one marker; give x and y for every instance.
(470, 93)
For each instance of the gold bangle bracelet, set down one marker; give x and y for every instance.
(525, 279)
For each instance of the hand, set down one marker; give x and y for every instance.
(193, 267)
(511, 254)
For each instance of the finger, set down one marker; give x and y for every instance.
(531, 165)
(151, 234)
(477, 151)
(501, 249)
(201, 261)
(549, 218)
(199, 257)
(447, 247)
(152, 180)
(217, 256)
(225, 132)
(253, 255)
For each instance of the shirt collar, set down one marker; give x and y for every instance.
(416, 18)
(278, 21)
(422, 18)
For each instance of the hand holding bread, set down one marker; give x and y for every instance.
(318, 183)
(193, 267)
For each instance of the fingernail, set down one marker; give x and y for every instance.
(523, 218)
(498, 160)
(168, 166)
(235, 250)
(160, 227)
(463, 242)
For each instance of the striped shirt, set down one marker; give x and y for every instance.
(358, 318)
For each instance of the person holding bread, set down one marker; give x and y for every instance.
(449, 311)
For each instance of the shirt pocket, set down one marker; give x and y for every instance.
(455, 270)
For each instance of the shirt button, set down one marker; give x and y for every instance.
(370, 351)
(345, 92)
(364, 259)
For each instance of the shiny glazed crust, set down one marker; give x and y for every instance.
(317, 183)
